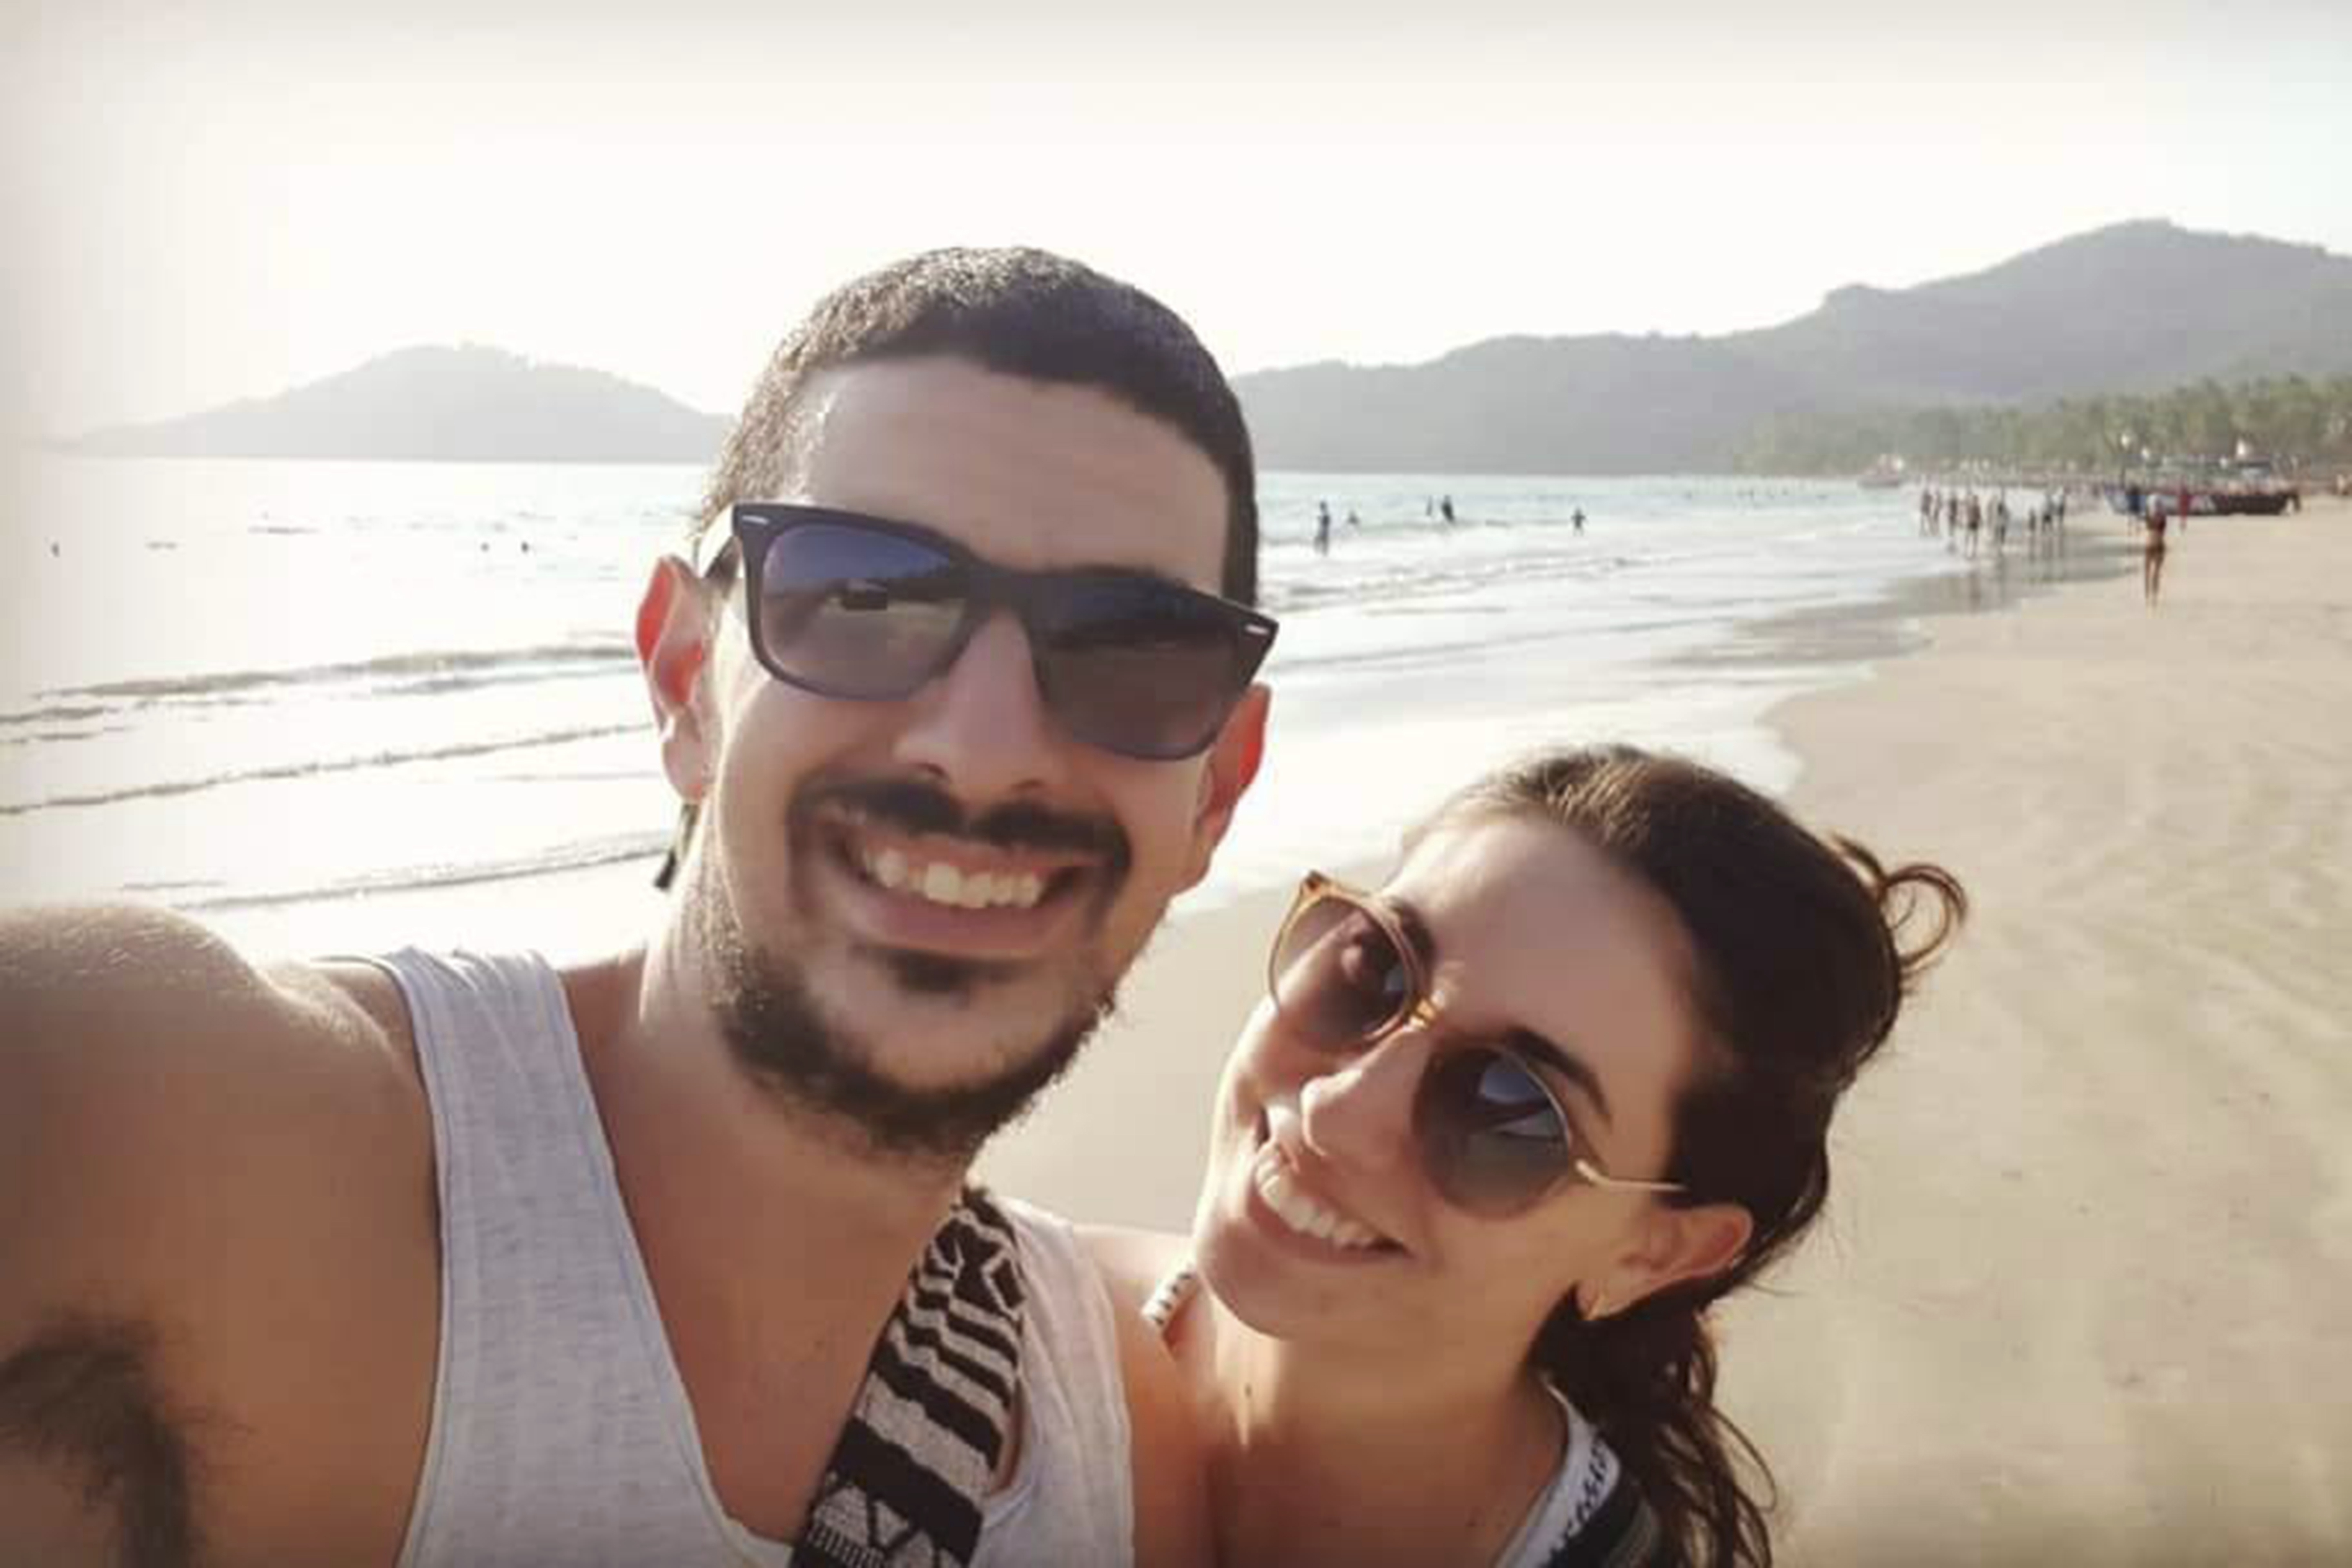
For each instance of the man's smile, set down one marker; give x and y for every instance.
(948, 893)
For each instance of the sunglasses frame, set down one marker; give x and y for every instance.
(755, 526)
(1419, 1008)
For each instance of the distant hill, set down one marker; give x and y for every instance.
(449, 403)
(2135, 306)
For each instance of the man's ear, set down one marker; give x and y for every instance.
(1234, 760)
(1673, 1244)
(674, 627)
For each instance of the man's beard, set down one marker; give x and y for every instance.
(779, 1033)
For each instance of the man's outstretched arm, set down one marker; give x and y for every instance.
(189, 1151)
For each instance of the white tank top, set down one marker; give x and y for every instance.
(562, 1433)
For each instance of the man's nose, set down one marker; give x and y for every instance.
(980, 726)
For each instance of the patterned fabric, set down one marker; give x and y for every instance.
(1622, 1532)
(905, 1483)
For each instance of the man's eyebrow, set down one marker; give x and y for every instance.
(1524, 1040)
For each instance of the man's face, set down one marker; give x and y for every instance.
(929, 900)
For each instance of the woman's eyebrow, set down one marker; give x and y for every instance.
(1552, 1054)
(1566, 1063)
(1415, 927)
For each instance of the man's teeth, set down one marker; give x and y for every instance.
(1302, 1213)
(941, 883)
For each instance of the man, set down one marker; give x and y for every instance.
(460, 1259)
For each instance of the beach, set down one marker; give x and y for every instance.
(2078, 1295)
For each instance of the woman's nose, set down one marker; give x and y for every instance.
(1360, 1114)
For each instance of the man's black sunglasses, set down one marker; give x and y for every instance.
(853, 606)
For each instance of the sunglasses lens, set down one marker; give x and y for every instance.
(854, 612)
(1492, 1137)
(1139, 667)
(1339, 979)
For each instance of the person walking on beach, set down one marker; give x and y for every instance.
(1501, 1135)
(2151, 561)
(1576, 519)
(460, 1259)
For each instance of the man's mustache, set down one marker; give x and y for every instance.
(916, 807)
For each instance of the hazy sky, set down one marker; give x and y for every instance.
(212, 199)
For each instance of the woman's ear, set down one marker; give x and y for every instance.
(1671, 1245)
(673, 636)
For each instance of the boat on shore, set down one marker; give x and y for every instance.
(2140, 500)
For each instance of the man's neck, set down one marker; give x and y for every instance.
(777, 1246)
(723, 1175)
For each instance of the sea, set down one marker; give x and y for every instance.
(282, 694)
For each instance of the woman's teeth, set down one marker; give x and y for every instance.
(936, 882)
(1292, 1205)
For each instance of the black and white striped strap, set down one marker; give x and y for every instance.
(907, 1482)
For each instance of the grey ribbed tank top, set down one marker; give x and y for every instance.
(562, 1433)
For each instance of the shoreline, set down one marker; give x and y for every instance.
(1185, 1000)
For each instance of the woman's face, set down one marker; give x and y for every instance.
(1529, 931)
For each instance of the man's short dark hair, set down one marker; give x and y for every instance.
(1021, 312)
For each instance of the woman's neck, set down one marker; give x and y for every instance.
(1322, 1456)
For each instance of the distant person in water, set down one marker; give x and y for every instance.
(1576, 519)
(1445, 510)
(1322, 528)
(1353, 521)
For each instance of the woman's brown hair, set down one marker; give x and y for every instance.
(1805, 948)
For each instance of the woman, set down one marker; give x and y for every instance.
(1501, 1133)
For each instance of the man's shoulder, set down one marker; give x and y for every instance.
(122, 1007)
(165, 1100)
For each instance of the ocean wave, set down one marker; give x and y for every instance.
(66, 715)
(315, 767)
(1407, 578)
(584, 855)
(439, 670)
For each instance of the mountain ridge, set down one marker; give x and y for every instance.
(465, 402)
(2138, 306)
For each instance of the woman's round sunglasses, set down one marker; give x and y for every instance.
(849, 605)
(1493, 1136)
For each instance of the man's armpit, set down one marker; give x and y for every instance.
(94, 1466)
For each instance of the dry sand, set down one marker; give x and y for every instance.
(2086, 1291)
(2083, 1293)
